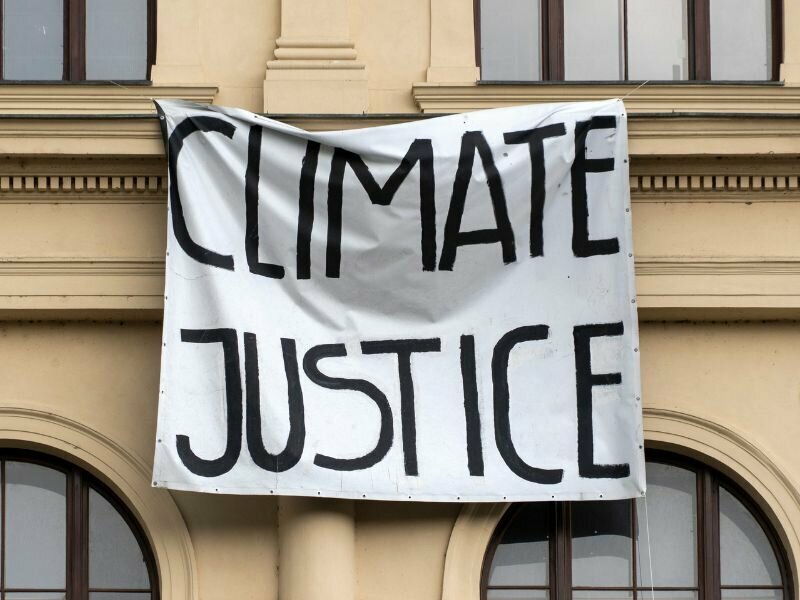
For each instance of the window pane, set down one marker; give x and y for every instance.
(510, 40)
(741, 39)
(36, 526)
(33, 39)
(752, 594)
(36, 595)
(593, 39)
(601, 595)
(115, 559)
(746, 556)
(118, 596)
(647, 594)
(521, 557)
(672, 513)
(657, 40)
(601, 543)
(516, 594)
(116, 39)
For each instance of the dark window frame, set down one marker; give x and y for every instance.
(709, 587)
(78, 484)
(551, 38)
(74, 62)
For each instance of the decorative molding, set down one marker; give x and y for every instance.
(98, 266)
(40, 428)
(720, 288)
(740, 457)
(655, 418)
(107, 137)
(81, 287)
(315, 54)
(665, 120)
(649, 136)
(27, 188)
(710, 266)
(710, 441)
(87, 189)
(667, 287)
(115, 99)
(651, 187)
(653, 98)
(316, 67)
(689, 136)
(645, 266)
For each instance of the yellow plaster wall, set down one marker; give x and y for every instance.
(741, 376)
(105, 376)
(400, 549)
(736, 244)
(238, 37)
(229, 44)
(226, 44)
(393, 40)
(236, 543)
(745, 376)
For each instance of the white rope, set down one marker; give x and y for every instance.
(649, 548)
(638, 87)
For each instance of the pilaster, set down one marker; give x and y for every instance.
(316, 541)
(316, 67)
(452, 42)
(179, 52)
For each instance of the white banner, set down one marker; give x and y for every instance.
(437, 310)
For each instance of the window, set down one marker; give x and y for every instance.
(77, 40)
(612, 40)
(698, 537)
(64, 535)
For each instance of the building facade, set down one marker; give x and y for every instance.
(716, 204)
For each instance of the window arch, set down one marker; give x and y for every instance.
(628, 40)
(63, 534)
(707, 541)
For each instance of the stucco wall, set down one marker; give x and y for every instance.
(741, 376)
(716, 198)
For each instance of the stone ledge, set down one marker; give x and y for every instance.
(648, 99)
(667, 288)
(649, 135)
(64, 99)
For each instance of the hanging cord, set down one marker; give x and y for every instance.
(649, 547)
(638, 87)
(125, 87)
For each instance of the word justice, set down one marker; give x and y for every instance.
(249, 422)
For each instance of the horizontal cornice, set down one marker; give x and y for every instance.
(139, 135)
(655, 98)
(667, 288)
(98, 100)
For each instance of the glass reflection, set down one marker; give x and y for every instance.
(522, 556)
(601, 543)
(741, 39)
(658, 40)
(510, 40)
(671, 508)
(36, 527)
(33, 39)
(746, 556)
(115, 558)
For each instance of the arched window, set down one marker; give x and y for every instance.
(618, 40)
(65, 535)
(697, 537)
(77, 40)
